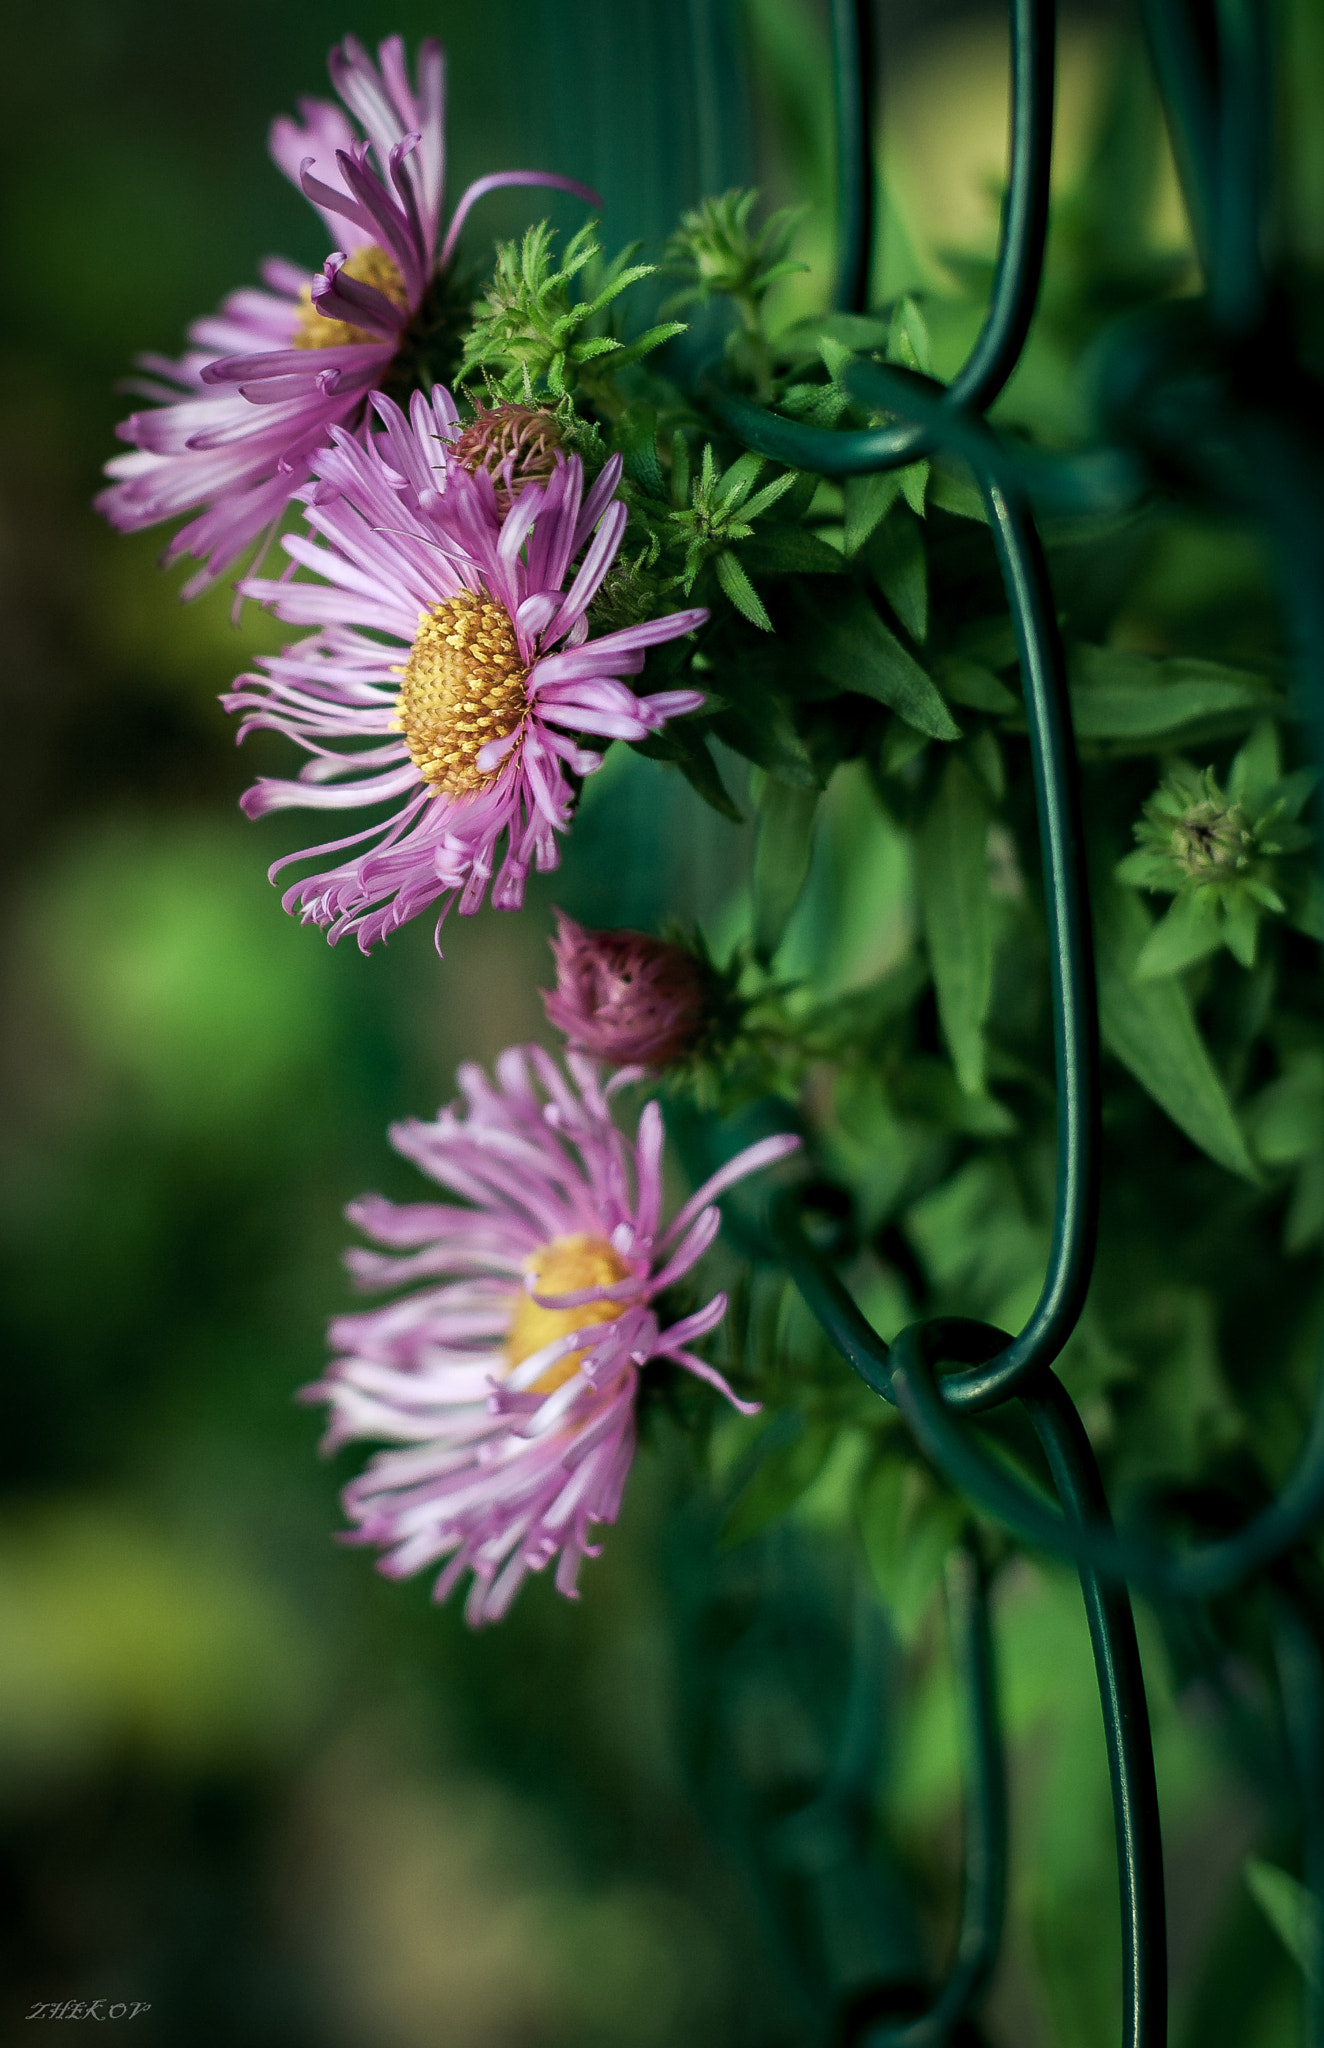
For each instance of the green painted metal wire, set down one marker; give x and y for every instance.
(1182, 404)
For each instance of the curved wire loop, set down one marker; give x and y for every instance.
(1016, 276)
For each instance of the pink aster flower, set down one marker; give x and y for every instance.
(454, 642)
(624, 997)
(508, 1381)
(273, 371)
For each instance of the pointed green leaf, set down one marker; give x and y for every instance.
(597, 345)
(740, 590)
(955, 493)
(1241, 927)
(1309, 917)
(791, 551)
(914, 486)
(1189, 931)
(852, 647)
(908, 1528)
(1289, 1908)
(971, 683)
(782, 851)
(738, 481)
(680, 469)
(899, 565)
(1150, 1027)
(685, 748)
(1120, 696)
(869, 499)
(1286, 1121)
(644, 344)
(763, 500)
(788, 1467)
(636, 437)
(1255, 768)
(958, 916)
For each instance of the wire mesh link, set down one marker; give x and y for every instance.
(1242, 442)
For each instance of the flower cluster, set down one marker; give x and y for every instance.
(507, 1382)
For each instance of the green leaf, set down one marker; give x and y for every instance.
(757, 724)
(684, 748)
(1189, 931)
(644, 344)
(901, 743)
(1305, 1217)
(1286, 1121)
(1309, 917)
(914, 485)
(763, 501)
(791, 551)
(636, 437)
(1119, 696)
(782, 851)
(955, 493)
(1241, 926)
(1150, 1027)
(1255, 768)
(898, 563)
(854, 649)
(738, 481)
(958, 916)
(868, 499)
(788, 1467)
(680, 470)
(908, 1527)
(971, 683)
(1289, 1908)
(740, 590)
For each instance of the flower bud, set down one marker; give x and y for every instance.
(515, 444)
(626, 998)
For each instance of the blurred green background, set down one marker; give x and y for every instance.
(241, 1777)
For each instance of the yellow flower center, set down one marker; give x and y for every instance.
(565, 1266)
(369, 265)
(462, 686)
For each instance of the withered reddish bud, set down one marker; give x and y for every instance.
(515, 444)
(624, 997)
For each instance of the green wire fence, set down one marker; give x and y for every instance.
(1186, 400)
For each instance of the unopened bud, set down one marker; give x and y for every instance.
(626, 998)
(515, 444)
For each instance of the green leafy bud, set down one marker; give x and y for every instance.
(717, 255)
(722, 509)
(529, 335)
(1215, 851)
